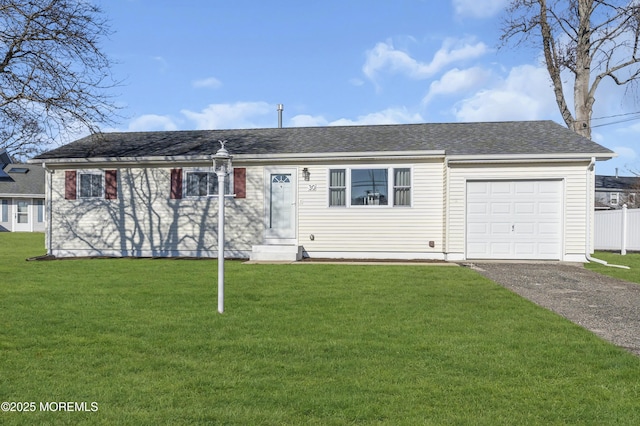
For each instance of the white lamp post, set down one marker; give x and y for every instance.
(222, 166)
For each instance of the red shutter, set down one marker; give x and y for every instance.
(240, 182)
(176, 184)
(70, 185)
(110, 184)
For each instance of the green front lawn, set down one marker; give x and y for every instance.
(632, 260)
(298, 344)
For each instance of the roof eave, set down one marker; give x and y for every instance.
(240, 158)
(317, 157)
(526, 158)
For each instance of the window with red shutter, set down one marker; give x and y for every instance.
(240, 182)
(176, 184)
(110, 184)
(70, 185)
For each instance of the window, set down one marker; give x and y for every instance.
(401, 187)
(204, 183)
(40, 210)
(614, 198)
(370, 187)
(5, 210)
(337, 187)
(90, 184)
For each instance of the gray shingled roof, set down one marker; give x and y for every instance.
(528, 137)
(29, 183)
(617, 182)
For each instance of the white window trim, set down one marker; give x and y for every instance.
(390, 186)
(614, 198)
(186, 171)
(79, 180)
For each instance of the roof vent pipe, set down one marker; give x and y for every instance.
(280, 109)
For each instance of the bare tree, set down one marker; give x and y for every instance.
(54, 79)
(592, 39)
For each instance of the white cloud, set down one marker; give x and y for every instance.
(634, 128)
(456, 81)
(388, 116)
(207, 83)
(625, 153)
(398, 115)
(304, 120)
(385, 57)
(525, 94)
(152, 122)
(240, 115)
(478, 8)
(162, 61)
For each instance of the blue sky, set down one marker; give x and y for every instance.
(214, 64)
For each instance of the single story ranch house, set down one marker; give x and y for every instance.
(495, 190)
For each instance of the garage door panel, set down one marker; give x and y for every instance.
(499, 188)
(525, 249)
(524, 208)
(514, 219)
(477, 208)
(524, 187)
(500, 208)
(500, 228)
(480, 188)
(498, 249)
(549, 208)
(521, 229)
(550, 187)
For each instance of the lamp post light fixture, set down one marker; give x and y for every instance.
(222, 166)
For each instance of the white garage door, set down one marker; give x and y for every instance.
(514, 219)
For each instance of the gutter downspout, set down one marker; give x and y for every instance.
(49, 208)
(589, 210)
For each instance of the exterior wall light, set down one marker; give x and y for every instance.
(306, 174)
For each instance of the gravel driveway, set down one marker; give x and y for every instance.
(606, 306)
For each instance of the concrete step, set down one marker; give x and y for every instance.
(276, 253)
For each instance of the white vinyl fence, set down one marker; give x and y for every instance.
(617, 230)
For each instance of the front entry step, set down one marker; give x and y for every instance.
(276, 253)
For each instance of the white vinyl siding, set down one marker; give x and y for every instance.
(145, 221)
(574, 199)
(368, 231)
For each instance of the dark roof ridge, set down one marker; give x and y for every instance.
(329, 126)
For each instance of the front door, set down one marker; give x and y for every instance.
(22, 218)
(280, 208)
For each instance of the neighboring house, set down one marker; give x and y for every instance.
(510, 190)
(612, 192)
(21, 196)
